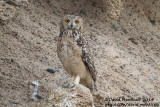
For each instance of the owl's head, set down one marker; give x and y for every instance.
(72, 22)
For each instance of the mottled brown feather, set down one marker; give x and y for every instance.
(87, 56)
(74, 52)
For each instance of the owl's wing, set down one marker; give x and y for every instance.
(87, 56)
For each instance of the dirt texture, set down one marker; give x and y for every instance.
(124, 36)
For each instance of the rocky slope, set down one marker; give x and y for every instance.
(125, 40)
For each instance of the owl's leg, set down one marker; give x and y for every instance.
(77, 80)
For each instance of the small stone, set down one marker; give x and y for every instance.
(48, 1)
(152, 21)
(24, 99)
(115, 27)
(124, 90)
(14, 3)
(14, 102)
(8, 0)
(123, 66)
(145, 59)
(44, 59)
(158, 36)
(53, 23)
(52, 70)
(125, 31)
(65, 12)
(94, 4)
(83, 12)
(53, 105)
(91, 25)
(133, 40)
(40, 96)
(130, 49)
(12, 60)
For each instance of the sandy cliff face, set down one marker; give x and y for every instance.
(124, 37)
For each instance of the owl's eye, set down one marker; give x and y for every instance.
(67, 21)
(76, 21)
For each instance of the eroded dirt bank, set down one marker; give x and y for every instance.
(125, 40)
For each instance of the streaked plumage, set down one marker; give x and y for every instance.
(74, 53)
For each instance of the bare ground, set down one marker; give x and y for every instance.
(126, 49)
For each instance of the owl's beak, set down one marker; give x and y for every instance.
(71, 25)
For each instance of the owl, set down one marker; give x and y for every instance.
(74, 53)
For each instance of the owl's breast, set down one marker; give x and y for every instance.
(69, 53)
(67, 47)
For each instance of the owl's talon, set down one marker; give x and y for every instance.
(69, 85)
(66, 86)
(72, 85)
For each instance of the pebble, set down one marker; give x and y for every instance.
(44, 59)
(8, 0)
(12, 2)
(123, 66)
(53, 23)
(125, 90)
(12, 60)
(52, 70)
(91, 25)
(130, 49)
(158, 36)
(14, 102)
(152, 21)
(125, 31)
(83, 12)
(133, 40)
(115, 27)
(40, 96)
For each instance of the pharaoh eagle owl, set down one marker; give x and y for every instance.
(74, 53)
